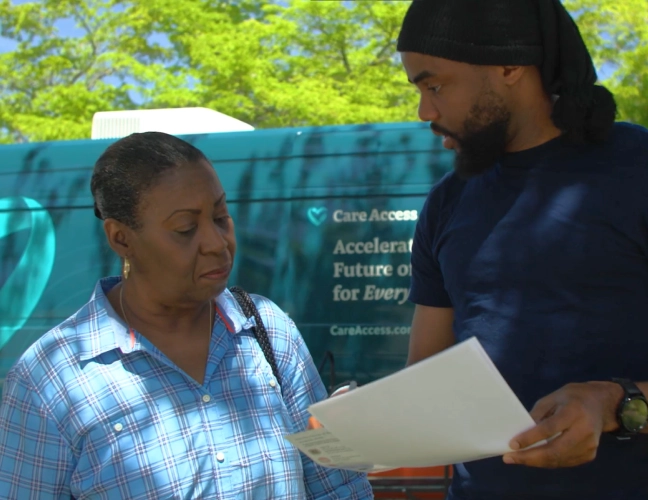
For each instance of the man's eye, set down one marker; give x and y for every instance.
(436, 89)
(187, 231)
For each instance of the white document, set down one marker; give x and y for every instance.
(327, 450)
(452, 407)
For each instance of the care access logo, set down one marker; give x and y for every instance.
(317, 215)
(25, 283)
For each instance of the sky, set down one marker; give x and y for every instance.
(65, 27)
(68, 28)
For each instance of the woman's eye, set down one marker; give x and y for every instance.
(435, 89)
(187, 232)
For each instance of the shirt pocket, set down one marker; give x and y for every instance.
(124, 440)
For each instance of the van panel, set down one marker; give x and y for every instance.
(312, 207)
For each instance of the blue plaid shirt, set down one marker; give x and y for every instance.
(86, 414)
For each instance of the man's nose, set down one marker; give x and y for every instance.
(427, 111)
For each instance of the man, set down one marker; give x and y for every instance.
(536, 244)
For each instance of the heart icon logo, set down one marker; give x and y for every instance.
(317, 215)
(23, 288)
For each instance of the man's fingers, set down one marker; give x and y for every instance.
(574, 446)
(552, 455)
(542, 456)
(571, 420)
(546, 429)
(543, 409)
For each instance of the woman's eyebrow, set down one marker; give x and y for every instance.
(196, 211)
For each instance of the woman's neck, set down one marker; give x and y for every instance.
(150, 315)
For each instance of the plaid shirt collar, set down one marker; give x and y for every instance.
(108, 331)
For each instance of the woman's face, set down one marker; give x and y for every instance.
(184, 249)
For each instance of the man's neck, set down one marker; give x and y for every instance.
(533, 128)
(522, 143)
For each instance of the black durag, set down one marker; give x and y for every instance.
(518, 33)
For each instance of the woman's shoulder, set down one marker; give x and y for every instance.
(60, 347)
(49, 358)
(273, 316)
(276, 321)
(264, 303)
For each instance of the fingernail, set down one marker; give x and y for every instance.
(508, 460)
(514, 445)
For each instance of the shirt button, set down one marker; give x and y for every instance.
(206, 398)
(220, 456)
(273, 383)
(118, 427)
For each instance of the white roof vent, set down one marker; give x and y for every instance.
(174, 121)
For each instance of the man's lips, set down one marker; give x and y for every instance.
(449, 142)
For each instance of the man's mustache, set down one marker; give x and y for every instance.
(444, 131)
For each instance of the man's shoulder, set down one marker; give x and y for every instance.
(629, 139)
(630, 128)
(449, 182)
(445, 190)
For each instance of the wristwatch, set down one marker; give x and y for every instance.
(632, 412)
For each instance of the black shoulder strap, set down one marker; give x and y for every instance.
(260, 332)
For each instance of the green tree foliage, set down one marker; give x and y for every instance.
(51, 85)
(271, 63)
(616, 32)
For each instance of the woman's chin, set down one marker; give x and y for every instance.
(217, 288)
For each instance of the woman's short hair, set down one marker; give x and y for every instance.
(131, 166)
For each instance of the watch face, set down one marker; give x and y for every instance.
(635, 414)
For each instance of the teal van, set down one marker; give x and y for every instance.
(325, 218)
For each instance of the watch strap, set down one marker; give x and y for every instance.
(630, 391)
(630, 388)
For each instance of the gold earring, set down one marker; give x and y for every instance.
(126, 268)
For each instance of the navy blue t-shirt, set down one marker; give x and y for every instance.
(545, 260)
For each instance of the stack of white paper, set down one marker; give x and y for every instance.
(452, 407)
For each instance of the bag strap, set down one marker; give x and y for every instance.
(260, 332)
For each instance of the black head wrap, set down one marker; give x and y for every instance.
(518, 33)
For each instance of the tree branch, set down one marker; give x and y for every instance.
(345, 61)
(93, 55)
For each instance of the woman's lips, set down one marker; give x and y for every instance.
(217, 274)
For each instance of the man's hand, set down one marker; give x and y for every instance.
(576, 415)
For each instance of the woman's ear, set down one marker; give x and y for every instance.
(119, 237)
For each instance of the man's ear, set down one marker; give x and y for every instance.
(119, 237)
(510, 75)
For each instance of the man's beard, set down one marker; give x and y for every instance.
(484, 137)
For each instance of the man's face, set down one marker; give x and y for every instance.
(462, 106)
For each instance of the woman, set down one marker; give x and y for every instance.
(157, 387)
